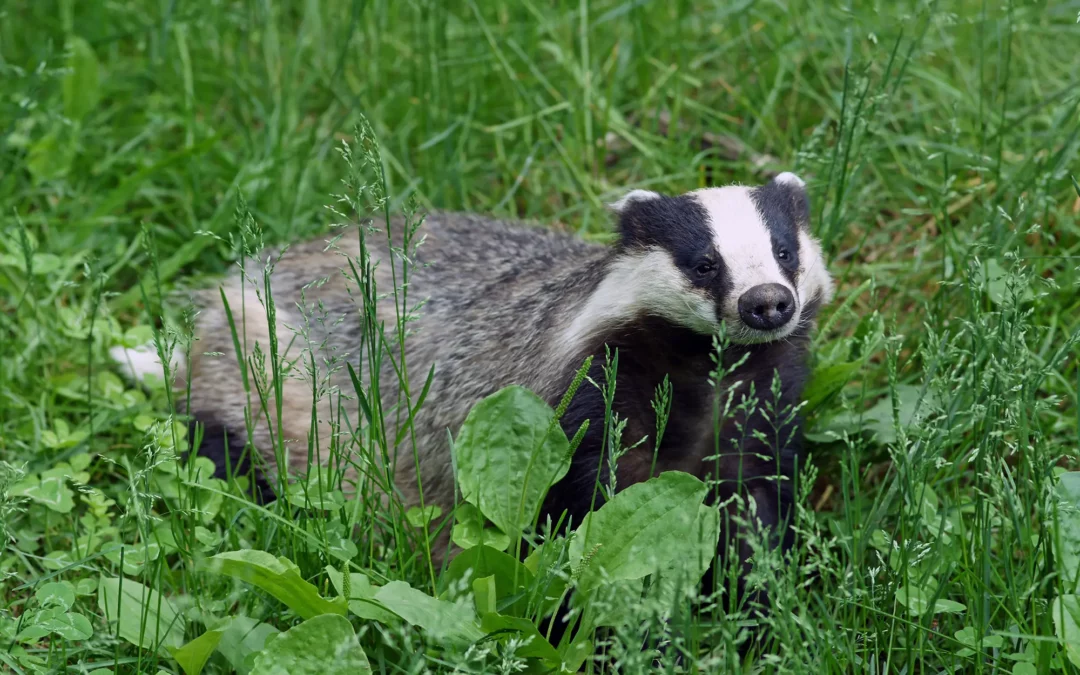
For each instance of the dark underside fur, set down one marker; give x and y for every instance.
(734, 461)
(231, 459)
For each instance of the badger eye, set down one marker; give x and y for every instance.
(704, 268)
(783, 255)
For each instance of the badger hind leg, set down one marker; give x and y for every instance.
(143, 363)
(231, 458)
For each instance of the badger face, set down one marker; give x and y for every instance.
(741, 255)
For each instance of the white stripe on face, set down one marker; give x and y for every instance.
(745, 245)
(640, 283)
(814, 280)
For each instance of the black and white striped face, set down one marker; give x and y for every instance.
(742, 255)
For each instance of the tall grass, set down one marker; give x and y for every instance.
(939, 140)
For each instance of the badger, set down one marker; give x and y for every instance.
(507, 303)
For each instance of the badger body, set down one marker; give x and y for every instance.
(505, 303)
(493, 295)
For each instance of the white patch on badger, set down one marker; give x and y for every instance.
(745, 244)
(636, 282)
(141, 363)
(619, 205)
(814, 279)
(788, 178)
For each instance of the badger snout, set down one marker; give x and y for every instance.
(767, 306)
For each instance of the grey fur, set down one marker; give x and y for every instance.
(506, 303)
(495, 294)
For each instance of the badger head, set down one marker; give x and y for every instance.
(741, 255)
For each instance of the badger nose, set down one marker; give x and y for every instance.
(767, 306)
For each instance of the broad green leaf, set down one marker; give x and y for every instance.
(512, 579)
(680, 578)
(57, 560)
(81, 84)
(277, 576)
(508, 453)
(111, 387)
(143, 617)
(706, 536)
(165, 538)
(471, 530)
(193, 656)
(615, 603)
(137, 336)
(242, 639)
(56, 593)
(342, 548)
(879, 418)
(50, 157)
(322, 645)
(468, 528)
(498, 625)
(86, 586)
(997, 283)
(444, 621)
(422, 517)
(81, 461)
(134, 557)
(967, 636)
(68, 625)
(63, 469)
(640, 531)
(574, 653)
(915, 599)
(1066, 612)
(930, 505)
(52, 492)
(485, 595)
(827, 380)
(1027, 656)
(361, 598)
(207, 539)
(1068, 528)
(942, 605)
(33, 632)
(314, 495)
(493, 537)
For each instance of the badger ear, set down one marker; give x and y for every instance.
(791, 180)
(792, 192)
(623, 204)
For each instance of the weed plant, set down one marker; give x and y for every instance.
(149, 148)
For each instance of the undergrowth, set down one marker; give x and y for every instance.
(149, 148)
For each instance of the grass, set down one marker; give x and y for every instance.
(939, 140)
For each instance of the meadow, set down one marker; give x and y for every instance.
(148, 147)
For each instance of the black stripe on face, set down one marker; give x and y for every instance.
(680, 226)
(784, 209)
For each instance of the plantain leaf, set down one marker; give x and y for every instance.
(142, 617)
(641, 531)
(1067, 517)
(508, 453)
(193, 656)
(512, 579)
(82, 87)
(323, 645)
(277, 576)
(361, 598)
(1066, 612)
(445, 621)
